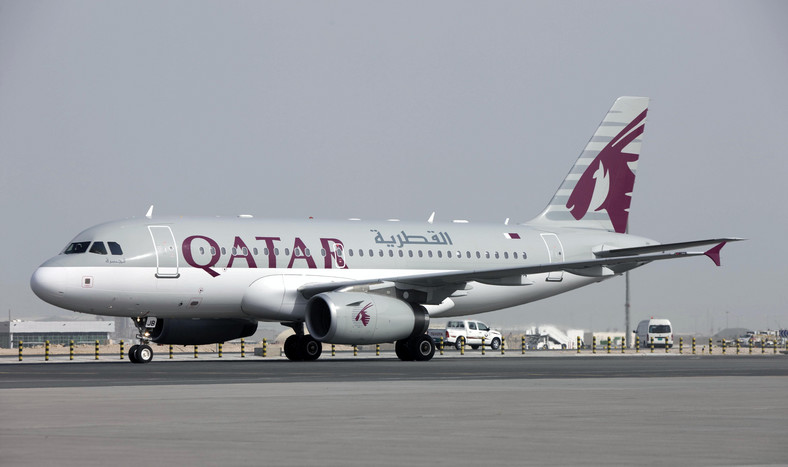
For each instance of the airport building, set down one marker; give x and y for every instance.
(56, 332)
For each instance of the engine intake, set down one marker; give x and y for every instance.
(362, 318)
(201, 331)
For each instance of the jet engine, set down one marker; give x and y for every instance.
(200, 331)
(363, 318)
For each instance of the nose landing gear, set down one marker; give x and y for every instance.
(142, 352)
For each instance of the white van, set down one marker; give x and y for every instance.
(659, 329)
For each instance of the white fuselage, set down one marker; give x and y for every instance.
(245, 268)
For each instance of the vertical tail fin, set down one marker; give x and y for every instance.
(597, 192)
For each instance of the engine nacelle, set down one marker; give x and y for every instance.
(363, 318)
(200, 331)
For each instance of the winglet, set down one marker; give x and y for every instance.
(714, 253)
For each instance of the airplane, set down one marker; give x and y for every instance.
(200, 280)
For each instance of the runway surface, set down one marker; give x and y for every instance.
(346, 412)
(255, 370)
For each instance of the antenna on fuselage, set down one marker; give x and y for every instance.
(149, 214)
(432, 218)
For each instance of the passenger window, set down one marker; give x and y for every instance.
(360, 252)
(98, 248)
(371, 253)
(235, 251)
(448, 254)
(468, 254)
(421, 254)
(478, 255)
(276, 251)
(77, 247)
(202, 251)
(410, 253)
(255, 251)
(391, 253)
(224, 251)
(287, 251)
(115, 248)
(514, 255)
(306, 252)
(429, 253)
(497, 256)
(349, 252)
(265, 251)
(213, 251)
(401, 253)
(486, 255)
(524, 255)
(380, 253)
(323, 252)
(440, 254)
(505, 255)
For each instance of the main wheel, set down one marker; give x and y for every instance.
(458, 343)
(310, 348)
(495, 344)
(292, 349)
(133, 354)
(422, 347)
(402, 350)
(144, 353)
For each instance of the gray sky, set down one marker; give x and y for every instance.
(394, 109)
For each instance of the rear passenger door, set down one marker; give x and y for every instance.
(473, 333)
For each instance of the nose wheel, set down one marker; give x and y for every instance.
(142, 352)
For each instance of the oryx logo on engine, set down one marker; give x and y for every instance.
(362, 316)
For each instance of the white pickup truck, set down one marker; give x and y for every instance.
(468, 331)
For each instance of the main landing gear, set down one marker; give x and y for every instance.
(419, 348)
(142, 352)
(301, 347)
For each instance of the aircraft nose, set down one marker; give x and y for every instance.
(48, 284)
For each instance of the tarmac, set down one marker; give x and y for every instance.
(352, 411)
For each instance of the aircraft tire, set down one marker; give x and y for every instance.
(422, 348)
(310, 348)
(402, 350)
(133, 354)
(293, 349)
(144, 353)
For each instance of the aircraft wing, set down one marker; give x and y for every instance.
(662, 247)
(456, 280)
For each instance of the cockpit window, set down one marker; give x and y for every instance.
(115, 248)
(77, 247)
(98, 248)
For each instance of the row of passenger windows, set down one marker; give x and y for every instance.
(96, 247)
(371, 253)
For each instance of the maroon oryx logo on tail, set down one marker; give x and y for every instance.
(363, 316)
(608, 181)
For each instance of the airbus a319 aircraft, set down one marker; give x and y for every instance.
(191, 281)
